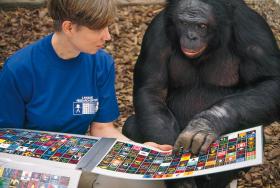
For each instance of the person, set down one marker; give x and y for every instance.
(64, 82)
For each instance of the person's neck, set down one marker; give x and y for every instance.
(63, 48)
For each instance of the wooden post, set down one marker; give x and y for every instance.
(141, 2)
(12, 4)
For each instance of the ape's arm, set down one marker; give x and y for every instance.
(154, 119)
(258, 101)
(254, 105)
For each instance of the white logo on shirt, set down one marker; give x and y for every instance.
(85, 105)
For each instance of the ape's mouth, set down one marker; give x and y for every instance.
(193, 53)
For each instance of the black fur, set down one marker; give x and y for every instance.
(234, 84)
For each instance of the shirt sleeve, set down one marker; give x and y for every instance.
(108, 106)
(12, 107)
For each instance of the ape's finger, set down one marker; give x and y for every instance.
(198, 141)
(208, 141)
(177, 146)
(187, 138)
(183, 141)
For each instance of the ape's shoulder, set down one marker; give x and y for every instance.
(156, 33)
(158, 23)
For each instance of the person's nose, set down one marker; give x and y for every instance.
(106, 34)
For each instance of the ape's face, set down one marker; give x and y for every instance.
(193, 20)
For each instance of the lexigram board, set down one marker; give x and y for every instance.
(63, 148)
(75, 153)
(232, 151)
(15, 174)
(13, 178)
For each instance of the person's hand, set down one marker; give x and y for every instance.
(197, 136)
(163, 147)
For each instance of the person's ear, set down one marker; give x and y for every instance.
(67, 27)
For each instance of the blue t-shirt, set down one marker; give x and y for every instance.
(40, 91)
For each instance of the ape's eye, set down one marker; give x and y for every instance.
(203, 26)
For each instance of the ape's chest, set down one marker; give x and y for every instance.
(218, 73)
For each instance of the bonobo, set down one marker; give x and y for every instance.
(206, 68)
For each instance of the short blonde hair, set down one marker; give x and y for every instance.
(94, 14)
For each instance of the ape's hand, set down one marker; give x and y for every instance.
(197, 136)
